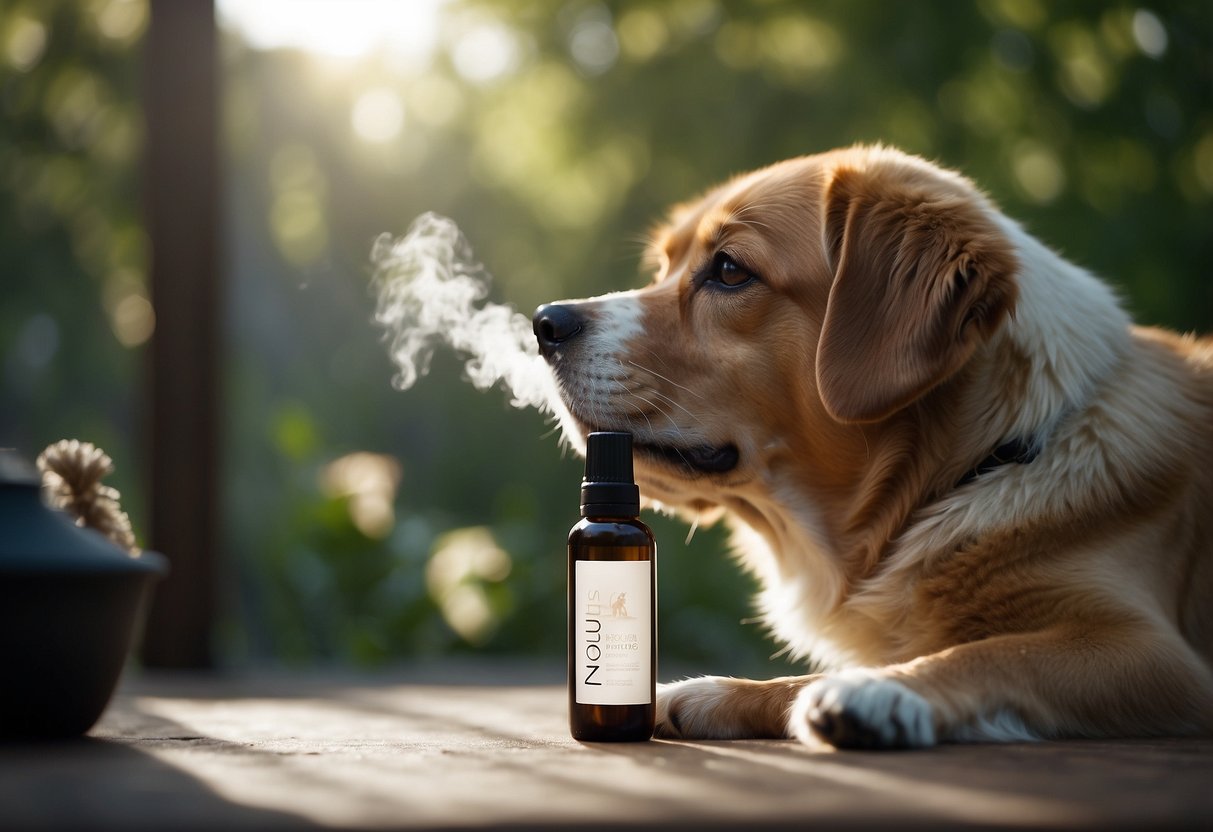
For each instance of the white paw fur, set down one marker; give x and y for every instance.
(862, 708)
(687, 709)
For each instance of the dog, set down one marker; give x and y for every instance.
(974, 494)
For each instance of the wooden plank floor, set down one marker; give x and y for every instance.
(288, 752)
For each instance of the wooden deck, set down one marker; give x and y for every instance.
(419, 752)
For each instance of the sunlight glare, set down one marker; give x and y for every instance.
(378, 115)
(337, 28)
(486, 52)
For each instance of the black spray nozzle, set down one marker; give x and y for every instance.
(609, 487)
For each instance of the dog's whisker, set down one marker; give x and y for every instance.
(643, 415)
(656, 355)
(651, 404)
(691, 531)
(655, 433)
(661, 395)
(631, 391)
(667, 414)
(666, 379)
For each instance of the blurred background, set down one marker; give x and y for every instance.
(357, 525)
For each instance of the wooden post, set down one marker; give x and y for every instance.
(181, 193)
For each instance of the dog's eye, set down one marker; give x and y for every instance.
(727, 272)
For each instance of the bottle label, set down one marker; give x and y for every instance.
(612, 626)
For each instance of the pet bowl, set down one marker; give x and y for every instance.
(71, 603)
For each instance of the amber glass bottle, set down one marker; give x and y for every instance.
(612, 602)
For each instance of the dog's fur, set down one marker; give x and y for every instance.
(891, 328)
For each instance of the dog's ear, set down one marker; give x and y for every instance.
(921, 276)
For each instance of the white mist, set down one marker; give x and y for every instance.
(431, 291)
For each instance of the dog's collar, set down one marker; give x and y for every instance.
(1020, 451)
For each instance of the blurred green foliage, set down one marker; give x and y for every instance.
(72, 249)
(369, 525)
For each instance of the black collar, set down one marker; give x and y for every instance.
(1021, 451)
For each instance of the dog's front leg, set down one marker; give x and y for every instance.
(1074, 682)
(724, 708)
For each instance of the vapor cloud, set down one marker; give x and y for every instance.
(431, 291)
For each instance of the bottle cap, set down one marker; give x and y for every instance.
(609, 488)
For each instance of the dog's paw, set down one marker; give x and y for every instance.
(687, 709)
(862, 709)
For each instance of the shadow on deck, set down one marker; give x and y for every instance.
(486, 746)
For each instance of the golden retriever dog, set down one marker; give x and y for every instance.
(972, 491)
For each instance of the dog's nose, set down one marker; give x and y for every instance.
(554, 324)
